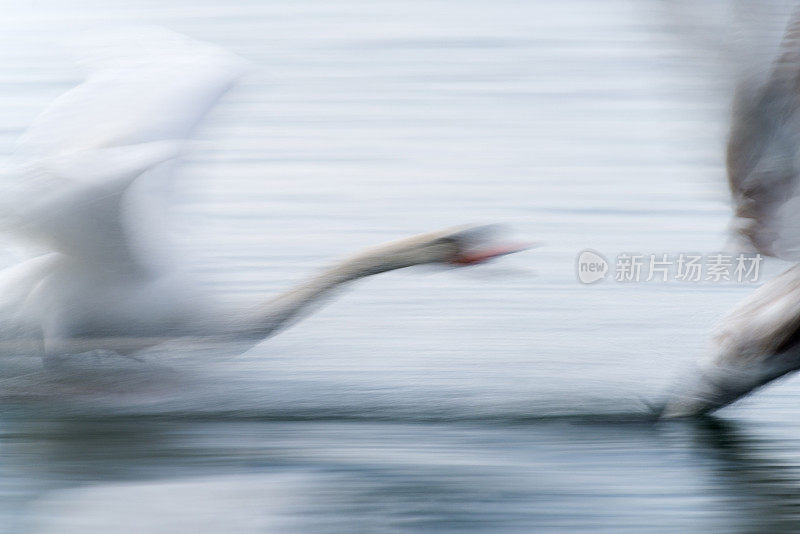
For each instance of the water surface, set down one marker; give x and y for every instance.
(507, 398)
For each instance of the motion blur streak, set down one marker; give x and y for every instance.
(72, 187)
(758, 341)
(449, 402)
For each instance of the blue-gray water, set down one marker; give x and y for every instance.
(500, 399)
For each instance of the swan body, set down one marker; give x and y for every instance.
(70, 191)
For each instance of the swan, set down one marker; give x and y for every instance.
(70, 192)
(759, 340)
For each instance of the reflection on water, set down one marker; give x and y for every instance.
(758, 483)
(139, 473)
(503, 400)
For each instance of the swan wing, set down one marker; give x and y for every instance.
(145, 93)
(764, 324)
(763, 151)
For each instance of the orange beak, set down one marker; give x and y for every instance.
(482, 255)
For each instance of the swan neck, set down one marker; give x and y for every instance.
(291, 305)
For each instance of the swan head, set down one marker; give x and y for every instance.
(479, 244)
(714, 384)
(460, 246)
(705, 389)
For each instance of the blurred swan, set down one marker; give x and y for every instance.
(99, 284)
(759, 340)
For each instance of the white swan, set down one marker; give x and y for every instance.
(70, 191)
(759, 340)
